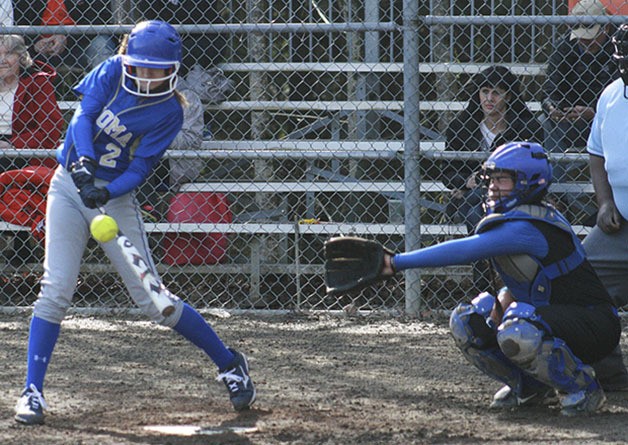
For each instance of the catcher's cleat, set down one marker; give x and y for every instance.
(618, 382)
(507, 398)
(30, 408)
(583, 402)
(236, 379)
(611, 371)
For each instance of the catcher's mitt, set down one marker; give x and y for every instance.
(353, 263)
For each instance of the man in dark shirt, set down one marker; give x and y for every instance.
(579, 69)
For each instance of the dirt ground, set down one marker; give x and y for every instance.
(321, 379)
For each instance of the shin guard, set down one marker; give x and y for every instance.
(474, 335)
(525, 341)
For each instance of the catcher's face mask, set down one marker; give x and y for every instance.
(498, 186)
(529, 166)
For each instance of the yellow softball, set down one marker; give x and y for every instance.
(103, 228)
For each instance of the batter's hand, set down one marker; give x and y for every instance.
(608, 218)
(82, 172)
(94, 197)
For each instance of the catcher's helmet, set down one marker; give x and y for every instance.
(620, 56)
(529, 165)
(152, 44)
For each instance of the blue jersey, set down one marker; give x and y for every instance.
(126, 134)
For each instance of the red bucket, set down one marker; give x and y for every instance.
(197, 248)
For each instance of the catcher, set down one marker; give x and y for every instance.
(554, 317)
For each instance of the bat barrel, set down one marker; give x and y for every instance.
(152, 285)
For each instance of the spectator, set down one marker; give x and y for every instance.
(83, 51)
(189, 138)
(199, 87)
(29, 114)
(606, 243)
(577, 72)
(29, 117)
(495, 114)
(47, 48)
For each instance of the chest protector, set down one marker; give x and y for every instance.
(530, 278)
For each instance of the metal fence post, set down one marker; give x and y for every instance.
(411, 146)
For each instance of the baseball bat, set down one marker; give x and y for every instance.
(153, 286)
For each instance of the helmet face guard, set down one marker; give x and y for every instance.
(153, 45)
(528, 164)
(144, 86)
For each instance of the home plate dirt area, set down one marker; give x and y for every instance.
(321, 379)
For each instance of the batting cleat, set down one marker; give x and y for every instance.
(507, 398)
(30, 408)
(236, 379)
(583, 402)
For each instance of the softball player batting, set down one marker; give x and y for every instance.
(129, 114)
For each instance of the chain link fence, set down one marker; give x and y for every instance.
(312, 119)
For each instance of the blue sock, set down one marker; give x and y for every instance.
(194, 327)
(41, 342)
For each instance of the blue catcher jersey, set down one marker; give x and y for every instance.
(530, 277)
(126, 134)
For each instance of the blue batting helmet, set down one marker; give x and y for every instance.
(530, 168)
(152, 44)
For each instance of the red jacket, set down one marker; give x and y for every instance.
(37, 119)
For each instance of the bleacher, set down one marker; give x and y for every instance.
(314, 149)
(330, 150)
(314, 141)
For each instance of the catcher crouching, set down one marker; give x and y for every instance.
(553, 319)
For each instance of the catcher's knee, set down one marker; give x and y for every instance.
(519, 336)
(525, 340)
(470, 323)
